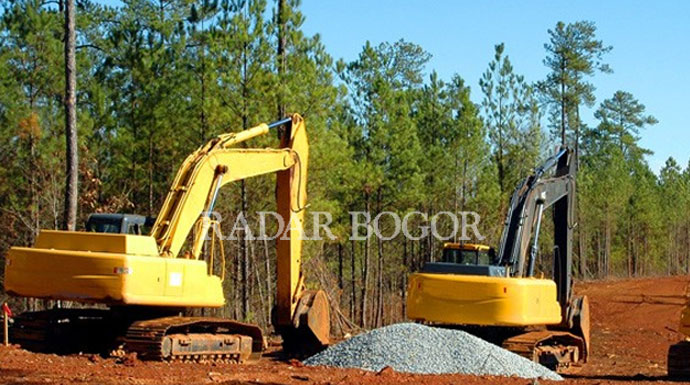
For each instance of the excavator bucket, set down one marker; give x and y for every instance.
(311, 325)
(579, 316)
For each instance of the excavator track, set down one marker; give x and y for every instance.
(65, 330)
(194, 339)
(557, 350)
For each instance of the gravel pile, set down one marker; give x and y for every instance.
(414, 348)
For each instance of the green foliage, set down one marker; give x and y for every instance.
(512, 118)
(621, 118)
(621, 201)
(573, 55)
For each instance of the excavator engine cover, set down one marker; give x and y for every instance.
(482, 300)
(113, 269)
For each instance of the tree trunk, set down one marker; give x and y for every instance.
(252, 287)
(341, 283)
(203, 119)
(257, 274)
(577, 142)
(403, 281)
(378, 319)
(70, 220)
(243, 187)
(379, 284)
(582, 251)
(282, 42)
(150, 170)
(33, 191)
(463, 199)
(643, 270)
(269, 275)
(687, 246)
(599, 254)
(244, 255)
(563, 103)
(607, 248)
(430, 240)
(353, 293)
(237, 266)
(631, 248)
(134, 161)
(365, 275)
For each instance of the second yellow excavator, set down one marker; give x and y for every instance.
(146, 281)
(498, 296)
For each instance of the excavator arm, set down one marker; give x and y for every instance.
(531, 198)
(520, 240)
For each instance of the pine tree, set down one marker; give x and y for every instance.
(622, 117)
(573, 54)
(613, 161)
(511, 117)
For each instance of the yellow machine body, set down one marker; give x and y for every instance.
(113, 269)
(482, 300)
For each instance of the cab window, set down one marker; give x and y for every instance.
(468, 257)
(103, 227)
(484, 257)
(462, 257)
(134, 229)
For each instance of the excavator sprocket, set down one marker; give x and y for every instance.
(195, 339)
(563, 348)
(557, 350)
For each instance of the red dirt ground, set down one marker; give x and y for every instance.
(633, 322)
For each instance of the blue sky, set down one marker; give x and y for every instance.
(650, 57)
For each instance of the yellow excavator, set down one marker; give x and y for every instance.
(498, 296)
(145, 282)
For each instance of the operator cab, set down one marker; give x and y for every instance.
(468, 254)
(466, 259)
(119, 224)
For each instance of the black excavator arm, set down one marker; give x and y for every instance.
(520, 241)
(536, 193)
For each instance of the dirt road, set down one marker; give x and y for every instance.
(633, 323)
